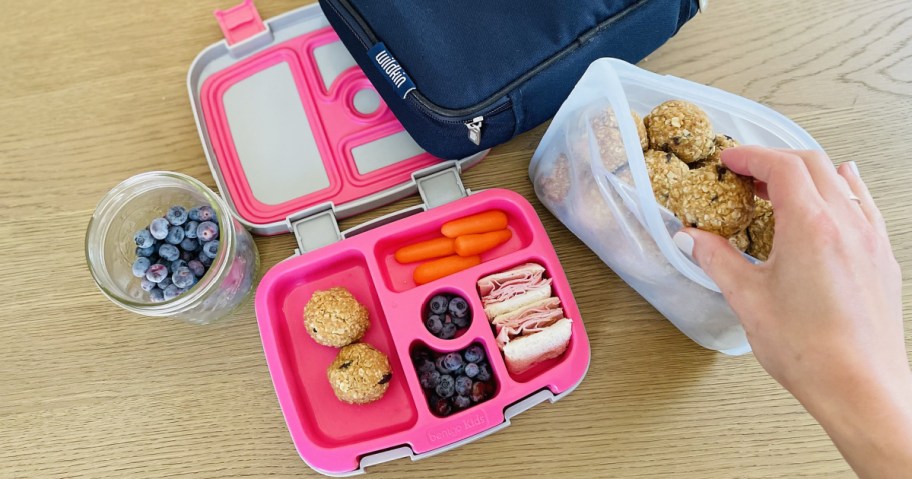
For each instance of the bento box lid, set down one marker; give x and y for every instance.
(296, 136)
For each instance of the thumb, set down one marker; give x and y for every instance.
(718, 258)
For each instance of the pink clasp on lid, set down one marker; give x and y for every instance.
(240, 22)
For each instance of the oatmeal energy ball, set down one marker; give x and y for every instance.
(641, 130)
(360, 374)
(666, 173)
(741, 241)
(335, 318)
(555, 186)
(761, 230)
(722, 143)
(681, 128)
(608, 136)
(714, 199)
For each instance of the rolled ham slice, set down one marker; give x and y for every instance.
(513, 289)
(528, 320)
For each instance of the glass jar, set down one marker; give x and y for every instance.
(130, 207)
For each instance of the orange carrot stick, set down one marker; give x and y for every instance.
(439, 268)
(470, 245)
(424, 250)
(486, 222)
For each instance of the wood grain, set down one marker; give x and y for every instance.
(92, 92)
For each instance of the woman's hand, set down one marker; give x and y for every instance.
(824, 313)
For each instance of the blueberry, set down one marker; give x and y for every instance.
(190, 245)
(190, 229)
(440, 367)
(462, 322)
(176, 264)
(147, 285)
(462, 402)
(421, 354)
(433, 324)
(474, 353)
(463, 386)
(210, 249)
(428, 379)
(156, 273)
(188, 255)
(176, 215)
(194, 214)
(156, 295)
(183, 277)
(426, 365)
(145, 252)
(446, 386)
(171, 292)
(448, 331)
(207, 231)
(140, 266)
(165, 282)
(471, 370)
(484, 373)
(143, 238)
(441, 407)
(206, 213)
(452, 361)
(438, 304)
(175, 235)
(159, 228)
(479, 391)
(196, 268)
(202, 258)
(169, 252)
(458, 307)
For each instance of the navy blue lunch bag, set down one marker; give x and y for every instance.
(465, 75)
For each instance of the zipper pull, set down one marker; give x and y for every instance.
(474, 127)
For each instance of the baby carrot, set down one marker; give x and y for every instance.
(429, 249)
(439, 268)
(469, 245)
(486, 222)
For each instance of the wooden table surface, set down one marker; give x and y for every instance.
(92, 92)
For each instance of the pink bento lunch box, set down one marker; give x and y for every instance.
(297, 138)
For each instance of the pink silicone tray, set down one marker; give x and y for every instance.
(337, 127)
(333, 437)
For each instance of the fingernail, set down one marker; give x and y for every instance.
(684, 242)
(854, 167)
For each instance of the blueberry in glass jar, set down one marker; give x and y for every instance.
(159, 228)
(140, 266)
(207, 231)
(143, 238)
(176, 215)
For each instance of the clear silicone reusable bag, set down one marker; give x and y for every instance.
(590, 173)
